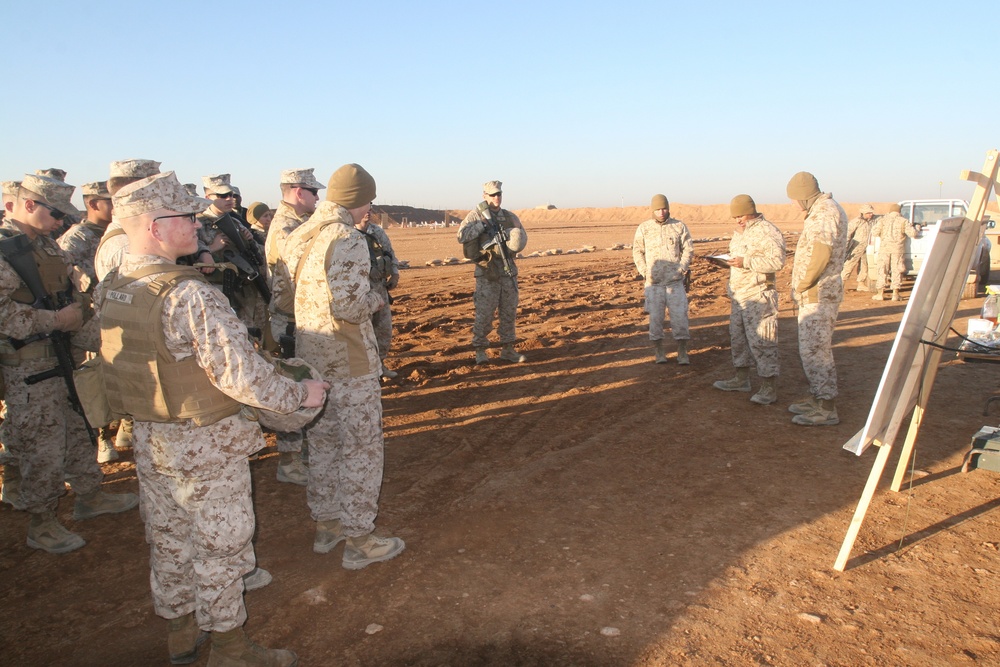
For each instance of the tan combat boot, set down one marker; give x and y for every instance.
(46, 533)
(895, 295)
(362, 551)
(184, 637)
(660, 355)
(97, 503)
(682, 353)
(508, 353)
(292, 469)
(124, 438)
(739, 383)
(234, 649)
(767, 394)
(825, 414)
(803, 407)
(481, 356)
(328, 535)
(388, 373)
(878, 296)
(105, 447)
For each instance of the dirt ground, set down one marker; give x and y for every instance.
(588, 507)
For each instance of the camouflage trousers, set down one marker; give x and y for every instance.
(289, 442)
(382, 323)
(662, 299)
(753, 331)
(491, 297)
(199, 532)
(891, 269)
(346, 455)
(46, 437)
(816, 324)
(857, 261)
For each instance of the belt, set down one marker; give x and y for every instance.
(37, 350)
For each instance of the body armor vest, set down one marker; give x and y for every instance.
(141, 377)
(379, 257)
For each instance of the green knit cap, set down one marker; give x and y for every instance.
(351, 187)
(803, 186)
(742, 205)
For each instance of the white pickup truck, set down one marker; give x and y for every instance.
(927, 214)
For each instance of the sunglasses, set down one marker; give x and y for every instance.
(313, 191)
(191, 217)
(55, 213)
(228, 195)
(495, 194)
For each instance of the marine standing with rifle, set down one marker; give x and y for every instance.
(492, 236)
(384, 276)
(42, 430)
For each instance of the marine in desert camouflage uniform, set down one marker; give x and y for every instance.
(891, 229)
(384, 276)
(496, 292)
(858, 233)
(817, 290)
(662, 250)
(299, 196)
(757, 253)
(114, 242)
(334, 304)
(193, 440)
(43, 432)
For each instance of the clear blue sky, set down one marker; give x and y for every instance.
(573, 104)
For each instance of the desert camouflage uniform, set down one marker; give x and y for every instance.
(662, 254)
(379, 276)
(80, 244)
(40, 430)
(282, 306)
(195, 480)
(858, 232)
(334, 304)
(753, 318)
(825, 223)
(892, 230)
(496, 293)
(110, 250)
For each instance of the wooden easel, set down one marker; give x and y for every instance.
(986, 181)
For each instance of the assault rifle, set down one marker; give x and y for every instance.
(17, 250)
(497, 238)
(246, 256)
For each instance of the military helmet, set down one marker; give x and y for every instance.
(298, 370)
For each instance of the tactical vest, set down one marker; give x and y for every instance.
(53, 271)
(379, 257)
(141, 377)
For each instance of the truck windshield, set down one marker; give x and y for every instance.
(928, 214)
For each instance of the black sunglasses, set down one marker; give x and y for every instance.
(313, 191)
(228, 195)
(191, 217)
(54, 212)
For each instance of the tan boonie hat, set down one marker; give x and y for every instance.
(301, 177)
(298, 370)
(154, 193)
(492, 188)
(10, 188)
(98, 189)
(52, 172)
(53, 192)
(867, 208)
(217, 184)
(351, 187)
(134, 169)
(742, 205)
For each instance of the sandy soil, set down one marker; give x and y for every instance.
(588, 507)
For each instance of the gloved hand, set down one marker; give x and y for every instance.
(69, 318)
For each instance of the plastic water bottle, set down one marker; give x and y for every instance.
(991, 307)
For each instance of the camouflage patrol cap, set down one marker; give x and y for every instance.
(301, 177)
(160, 191)
(867, 208)
(802, 186)
(658, 202)
(52, 172)
(298, 370)
(217, 184)
(97, 190)
(742, 205)
(492, 188)
(351, 186)
(53, 192)
(134, 168)
(192, 189)
(10, 188)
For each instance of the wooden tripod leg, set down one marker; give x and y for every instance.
(907, 451)
(859, 513)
